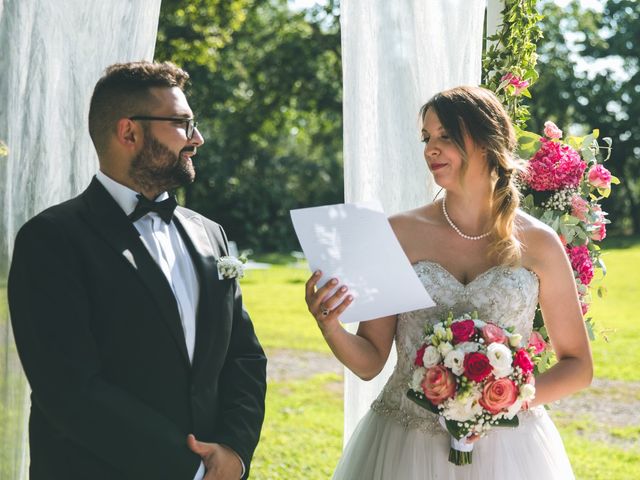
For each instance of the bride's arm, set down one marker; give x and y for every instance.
(364, 353)
(562, 317)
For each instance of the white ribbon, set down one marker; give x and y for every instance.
(459, 445)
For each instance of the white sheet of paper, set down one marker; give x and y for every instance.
(355, 243)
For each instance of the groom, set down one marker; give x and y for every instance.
(142, 361)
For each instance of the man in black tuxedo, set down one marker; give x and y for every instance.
(142, 361)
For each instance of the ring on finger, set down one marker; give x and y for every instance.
(324, 310)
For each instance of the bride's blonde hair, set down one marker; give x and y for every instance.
(477, 112)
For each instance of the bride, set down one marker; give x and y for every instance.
(473, 250)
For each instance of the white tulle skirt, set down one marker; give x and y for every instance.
(383, 449)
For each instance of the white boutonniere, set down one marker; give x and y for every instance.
(231, 267)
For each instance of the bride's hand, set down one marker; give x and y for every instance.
(326, 308)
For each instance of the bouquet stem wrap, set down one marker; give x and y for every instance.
(460, 452)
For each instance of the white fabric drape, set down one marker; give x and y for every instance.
(395, 56)
(51, 55)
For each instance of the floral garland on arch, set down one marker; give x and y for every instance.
(563, 186)
(566, 179)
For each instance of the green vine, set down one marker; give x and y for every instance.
(509, 62)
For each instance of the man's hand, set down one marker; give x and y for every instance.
(220, 461)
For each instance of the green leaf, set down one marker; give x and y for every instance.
(422, 401)
(588, 323)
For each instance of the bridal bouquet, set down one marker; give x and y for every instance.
(475, 375)
(563, 185)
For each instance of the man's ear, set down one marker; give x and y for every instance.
(128, 133)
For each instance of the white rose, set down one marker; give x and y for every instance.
(455, 361)
(467, 347)
(444, 348)
(463, 407)
(499, 357)
(527, 392)
(515, 340)
(416, 379)
(431, 357)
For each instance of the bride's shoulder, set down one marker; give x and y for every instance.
(538, 239)
(421, 217)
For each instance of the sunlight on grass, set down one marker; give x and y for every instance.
(275, 301)
(617, 317)
(302, 434)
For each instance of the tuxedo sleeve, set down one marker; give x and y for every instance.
(242, 386)
(50, 311)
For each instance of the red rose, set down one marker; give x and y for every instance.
(522, 360)
(463, 330)
(439, 384)
(498, 395)
(476, 366)
(419, 354)
(493, 334)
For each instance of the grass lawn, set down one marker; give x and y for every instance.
(275, 300)
(616, 316)
(302, 436)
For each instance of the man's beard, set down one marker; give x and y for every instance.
(158, 168)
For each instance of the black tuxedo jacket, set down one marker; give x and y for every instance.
(98, 332)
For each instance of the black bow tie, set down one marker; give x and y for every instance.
(164, 208)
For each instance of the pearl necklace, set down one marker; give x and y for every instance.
(457, 230)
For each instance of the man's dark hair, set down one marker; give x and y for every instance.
(124, 91)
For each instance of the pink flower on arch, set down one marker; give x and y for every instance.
(517, 82)
(581, 263)
(554, 166)
(599, 233)
(579, 208)
(551, 130)
(599, 176)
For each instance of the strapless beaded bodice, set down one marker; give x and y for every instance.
(506, 296)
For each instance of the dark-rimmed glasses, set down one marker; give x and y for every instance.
(190, 125)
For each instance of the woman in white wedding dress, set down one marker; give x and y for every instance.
(473, 250)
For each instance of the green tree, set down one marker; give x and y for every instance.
(266, 86)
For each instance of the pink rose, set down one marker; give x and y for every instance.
(551, 130)
(439, 384)
(537, 343)
(498, 395)
(522, 360)
(518, 84)
(579, 208)
(477, 366)
(493, 334)
(599, 233)
(599, 177)
(419, 354)
(463, 330)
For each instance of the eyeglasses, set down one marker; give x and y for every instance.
(190, 125)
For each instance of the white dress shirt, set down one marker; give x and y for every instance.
(170, 253)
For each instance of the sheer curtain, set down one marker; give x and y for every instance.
(51, 55)
(395, 56)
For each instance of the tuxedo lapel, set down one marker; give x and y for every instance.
(205, 255)
(108, 219)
